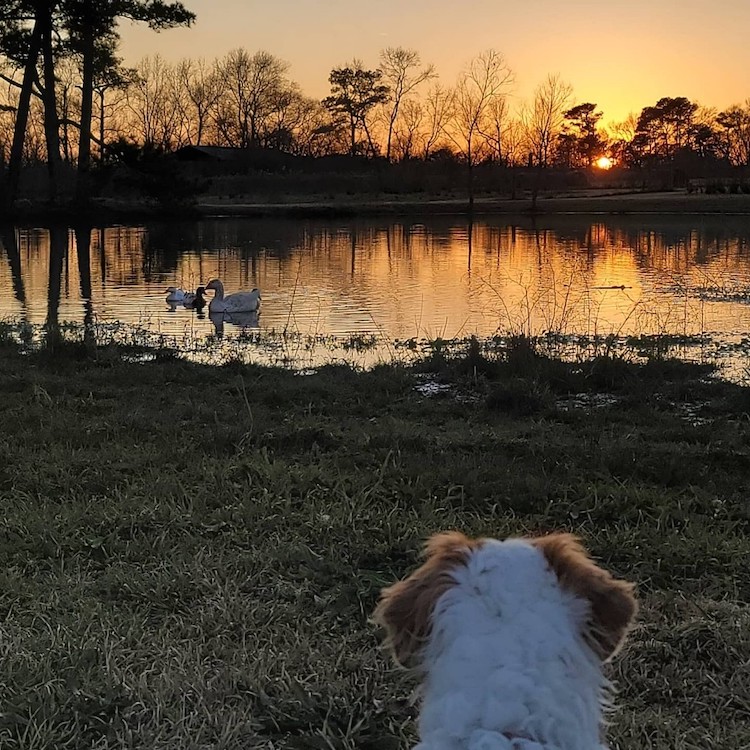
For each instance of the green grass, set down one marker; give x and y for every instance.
(189, 555)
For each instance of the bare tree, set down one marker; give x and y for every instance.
(486, 79)
(408, 133)
(282, 118)
(402, 73)
(514, 143)
(199, 90)
(151, 100)
(544, 118)
(438, 111)
(734, 133)
(313, 133)
(68, 103)
(8, 106)
(621, 135)
(252, 85)
(493, 126)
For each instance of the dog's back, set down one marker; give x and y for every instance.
(506, 660)
(510, 638)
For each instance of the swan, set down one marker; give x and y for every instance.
(174, 294)
(197, 301)
(232, 303)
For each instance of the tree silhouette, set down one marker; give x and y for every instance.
(255, 85)
(354, 93)
(485, 80)
(543, 122)
(580, 142)
(22, 47)
(665, 128)
(544, 119)
(91, 23)
(734, 134)
(402, 75)
(438, 112)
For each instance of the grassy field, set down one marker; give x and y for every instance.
(189, 555)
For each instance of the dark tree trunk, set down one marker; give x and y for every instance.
(101, 125)
(470, 178)
(51, 120)
(87, 106)
(22, 113)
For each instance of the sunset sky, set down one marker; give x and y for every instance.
(622, 54)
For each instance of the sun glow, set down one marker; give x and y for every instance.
(604, 162)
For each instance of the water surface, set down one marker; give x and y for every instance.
(420, 278)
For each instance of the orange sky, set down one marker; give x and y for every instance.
(622, 54)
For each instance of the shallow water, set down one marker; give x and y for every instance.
(420, 278)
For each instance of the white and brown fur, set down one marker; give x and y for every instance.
(509, 638)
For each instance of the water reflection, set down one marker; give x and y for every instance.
(244, 321)
(421, 278)
(9, 241)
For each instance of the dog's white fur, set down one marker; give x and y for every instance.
(510, 638)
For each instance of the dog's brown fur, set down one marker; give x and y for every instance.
(613, 604)
(405, 608)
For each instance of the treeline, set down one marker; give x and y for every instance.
(68, 98)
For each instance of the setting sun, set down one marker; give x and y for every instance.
(604, 162)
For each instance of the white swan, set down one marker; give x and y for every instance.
(232, 303)
(174, 294)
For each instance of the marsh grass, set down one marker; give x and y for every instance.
(189, 554)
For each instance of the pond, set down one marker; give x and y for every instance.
(360, 286)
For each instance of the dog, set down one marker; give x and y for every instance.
(509, 638)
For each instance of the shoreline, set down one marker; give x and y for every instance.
(678, 203)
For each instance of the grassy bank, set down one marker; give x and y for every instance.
(677, 202)
(190, 554)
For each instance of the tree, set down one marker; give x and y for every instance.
(151, 101)
(543, 122)
(200, 89)
(354, 93)
(580, 143)
(620, 140)
(254, 87)
(407, 135)
(734, 133)
(704, 137)
(109, 76)
(484, 80)
(92, 23)
(665, 129)
(438, 109)
(493, 127)
(544, 119)
(51, 119)
(402, 74)
(22, 47)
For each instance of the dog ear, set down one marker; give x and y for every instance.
(405, 608)
(613, 603)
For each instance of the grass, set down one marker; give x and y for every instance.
(189, 554)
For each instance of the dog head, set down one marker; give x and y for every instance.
(405, 609)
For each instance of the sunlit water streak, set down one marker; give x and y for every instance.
(337, 286)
